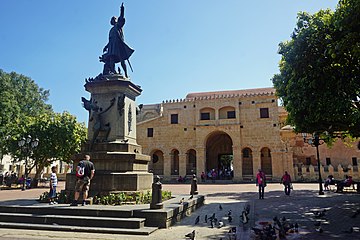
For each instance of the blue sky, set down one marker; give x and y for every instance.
(180, 46)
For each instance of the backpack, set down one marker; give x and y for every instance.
(80, 170)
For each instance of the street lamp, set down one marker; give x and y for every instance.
(26, 146)
(315, 141)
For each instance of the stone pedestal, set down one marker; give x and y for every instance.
(118, 159)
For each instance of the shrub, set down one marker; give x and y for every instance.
(119, 198)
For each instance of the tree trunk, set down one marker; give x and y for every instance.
(35, 181)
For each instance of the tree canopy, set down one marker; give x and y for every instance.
(20, 99)
(60, 136)
(320, 69)
(24, 111)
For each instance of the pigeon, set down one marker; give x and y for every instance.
(318, 227)
(191, 235)
(247, 208)
(206, 218)
(230, 218)
(212, 224)
(220, 207)
(244, 217)
(296, 226)
(320, 214)
(197, 220)
(221, 224)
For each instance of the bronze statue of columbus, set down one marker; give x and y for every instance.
(116, 50)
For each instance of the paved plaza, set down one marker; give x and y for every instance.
(299, 208)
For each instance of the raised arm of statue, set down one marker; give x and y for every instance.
(121, 20)
(122, 10)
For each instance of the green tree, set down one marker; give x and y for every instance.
(319, 71)
(60, 136)
(20, 98)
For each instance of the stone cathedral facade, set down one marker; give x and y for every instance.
(234, 133)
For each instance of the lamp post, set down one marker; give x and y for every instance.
(26, 146)
(315, 141)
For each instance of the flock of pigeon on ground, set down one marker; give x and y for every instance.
(213, 221)
(320, 217)
(278, 230)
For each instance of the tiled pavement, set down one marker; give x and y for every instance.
(298, 207)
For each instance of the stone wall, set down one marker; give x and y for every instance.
(310, 173)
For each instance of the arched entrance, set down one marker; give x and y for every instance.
(247, 163)
(266, 164)
(156, 166)
(219, 154)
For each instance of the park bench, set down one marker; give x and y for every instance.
(354, 187)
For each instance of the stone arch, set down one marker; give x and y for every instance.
(223, 112)
(156, 165)
(207, 113)
(266, 162)
(218, 145)
(190, 162)
(174, 162)
(247, 163)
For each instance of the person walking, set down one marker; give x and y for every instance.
(261, 183)
(53, 185)
(286, 181)
(85, 172)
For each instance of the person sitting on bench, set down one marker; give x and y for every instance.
(329, 181)
(346, 183)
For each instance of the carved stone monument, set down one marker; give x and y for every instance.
(118, 159)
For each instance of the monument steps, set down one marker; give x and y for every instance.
(64, 218)
(123, 219)
(64, 209)
(46, 227)
(132, 223)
